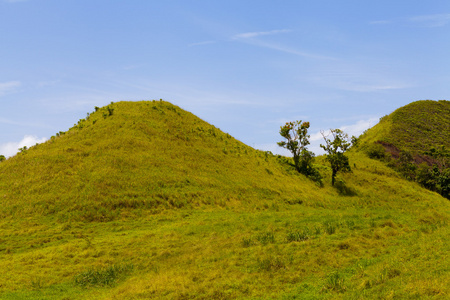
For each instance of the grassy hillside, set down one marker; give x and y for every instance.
(145, 154)
(415, 140)
(144, 200)
(416, 127)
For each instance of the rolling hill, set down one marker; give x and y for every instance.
(415, 140)
(416, 127)
(143, 200)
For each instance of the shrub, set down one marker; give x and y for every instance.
(298, 236)
(103, 277)
(335, 282)
(376, 151)
(266, 238)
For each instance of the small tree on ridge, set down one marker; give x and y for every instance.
(335, 152)
(297, 138)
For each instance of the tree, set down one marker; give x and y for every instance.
(297, 138)
(335, 152)
(2, 158)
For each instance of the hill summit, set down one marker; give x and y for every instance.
(131, 154)
(416, 127)
(415, 140)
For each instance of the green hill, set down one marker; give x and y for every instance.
(145, 154)
(416, 127)
(143, 200)
(416, 139)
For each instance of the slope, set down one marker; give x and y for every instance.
(142, 154)
(145, 201)
(416, 127)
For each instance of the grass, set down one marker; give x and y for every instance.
(143, 203)
(416, 127)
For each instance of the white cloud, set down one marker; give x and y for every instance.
(11, 148)
(9, 86)
(359, 127)
(247, 35)
(288, 50)
(436, 20)
(355, 129)
(201, 43)
(359, 77)
(380, 22)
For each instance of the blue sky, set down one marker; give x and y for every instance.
(246, 67)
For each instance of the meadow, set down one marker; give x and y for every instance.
(143, 200)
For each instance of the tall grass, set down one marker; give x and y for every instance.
(143, 203)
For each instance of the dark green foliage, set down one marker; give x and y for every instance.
(335, 282)
(298, 236)
(335, 152)
(2, 158)
(354, 141)
(23, 149)
(330, 227)
(376, 151)
(406, 165)
(444, 182)
(266, 238)
(428, 177)
(270, 264)
(297, 139)
(103, 277)
(110, 110)
(343, 189)
(441, 155)
(434, 179)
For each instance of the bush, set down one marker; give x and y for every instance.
(376, 151)
(103, 277)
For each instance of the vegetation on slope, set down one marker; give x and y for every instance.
(415, 140)
(144, 200)
(416, 127)
(128, 155)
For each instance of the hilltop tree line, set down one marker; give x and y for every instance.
(297, 139)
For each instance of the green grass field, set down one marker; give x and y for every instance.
(143, 200)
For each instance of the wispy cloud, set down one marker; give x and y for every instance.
(251, 38)
(380, 22)
(355, 87)
(9, 86)
(247, 35)
(288, 50)
(11, 148)
(357, 77)
(202, 43)
(436, 20)
(355, 129)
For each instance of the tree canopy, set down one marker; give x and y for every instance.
(335, 149)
